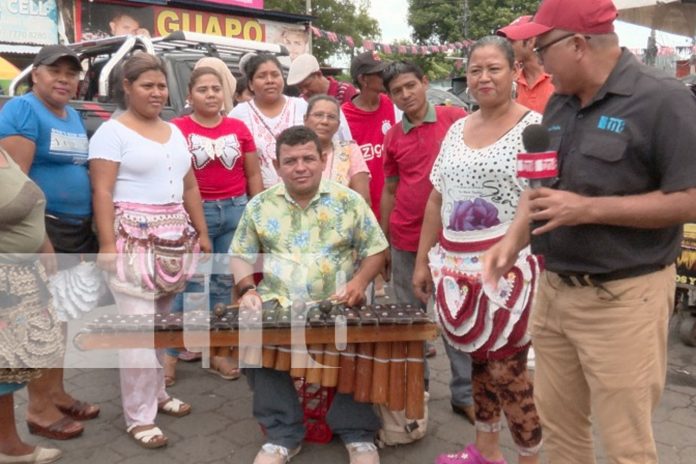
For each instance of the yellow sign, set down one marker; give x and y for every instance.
(169, 20)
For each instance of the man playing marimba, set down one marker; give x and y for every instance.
(318, 227)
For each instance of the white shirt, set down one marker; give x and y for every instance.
(149, 172)
(265, 130)
(479, 186)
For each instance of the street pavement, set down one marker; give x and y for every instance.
(221, 428)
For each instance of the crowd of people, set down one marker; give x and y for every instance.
(358, 184)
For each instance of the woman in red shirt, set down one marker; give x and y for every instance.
(223, 154)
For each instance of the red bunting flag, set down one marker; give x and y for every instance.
(414, 49)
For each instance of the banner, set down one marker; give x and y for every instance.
(99, 20)
(257, 4)
(29, 22)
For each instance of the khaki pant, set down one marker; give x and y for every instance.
(601, 355)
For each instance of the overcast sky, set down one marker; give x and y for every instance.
(392, 17)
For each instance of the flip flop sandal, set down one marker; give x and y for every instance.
(80, 410)
(149, 438)
(174, 407)
(469, 455)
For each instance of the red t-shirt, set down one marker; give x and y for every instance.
(410, 157)
(368, 129)
(217, 155)
(341, 91)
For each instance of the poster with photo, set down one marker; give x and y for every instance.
(100, 20)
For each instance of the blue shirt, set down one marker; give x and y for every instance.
(59, 166)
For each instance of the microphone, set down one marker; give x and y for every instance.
(537, 165)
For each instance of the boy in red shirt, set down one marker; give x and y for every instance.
(410, 149)
(370, 115)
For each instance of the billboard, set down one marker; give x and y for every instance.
(98, 20)
(258, 4)
(29, 22)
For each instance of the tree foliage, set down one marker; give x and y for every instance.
(344, 17)
(437, 21)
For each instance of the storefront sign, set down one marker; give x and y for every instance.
(29, 22)
(168, 20)
(97, 20)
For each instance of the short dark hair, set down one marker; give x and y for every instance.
(297, 135)
(322, 97)
(396, 68)
(501, 43)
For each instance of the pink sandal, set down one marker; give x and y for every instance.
(469, 455)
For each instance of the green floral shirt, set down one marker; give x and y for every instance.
(307, 253)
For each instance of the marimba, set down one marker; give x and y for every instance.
(374, 352)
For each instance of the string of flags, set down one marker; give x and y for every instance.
(402, 49)
(413, 49)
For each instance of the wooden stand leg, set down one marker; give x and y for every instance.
(415, 383)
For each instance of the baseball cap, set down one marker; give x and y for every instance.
(366, 63)
(581, 16)
(509, 31)
(301, 68)
(52, 53)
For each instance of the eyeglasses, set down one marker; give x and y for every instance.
(330, 116)
(540, 50)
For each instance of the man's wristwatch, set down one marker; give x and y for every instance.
(245, 289)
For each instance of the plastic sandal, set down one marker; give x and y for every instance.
(174, 407)
(148, 438)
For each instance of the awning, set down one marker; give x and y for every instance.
(675, 16)
(19, 49)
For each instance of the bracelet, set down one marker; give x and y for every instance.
(245, 289)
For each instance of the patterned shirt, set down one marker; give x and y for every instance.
(308, 252)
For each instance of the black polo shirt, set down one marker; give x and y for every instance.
(636, 136)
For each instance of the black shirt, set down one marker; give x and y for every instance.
(636, 136)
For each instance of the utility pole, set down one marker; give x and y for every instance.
(466, 19)
(308, 11)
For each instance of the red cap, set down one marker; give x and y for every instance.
(581, 16)
(510, 31)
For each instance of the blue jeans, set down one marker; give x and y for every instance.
(403, 264)
(277, 408)
(222, 218)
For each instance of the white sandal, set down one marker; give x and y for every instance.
(174, 407)
(148, 438)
